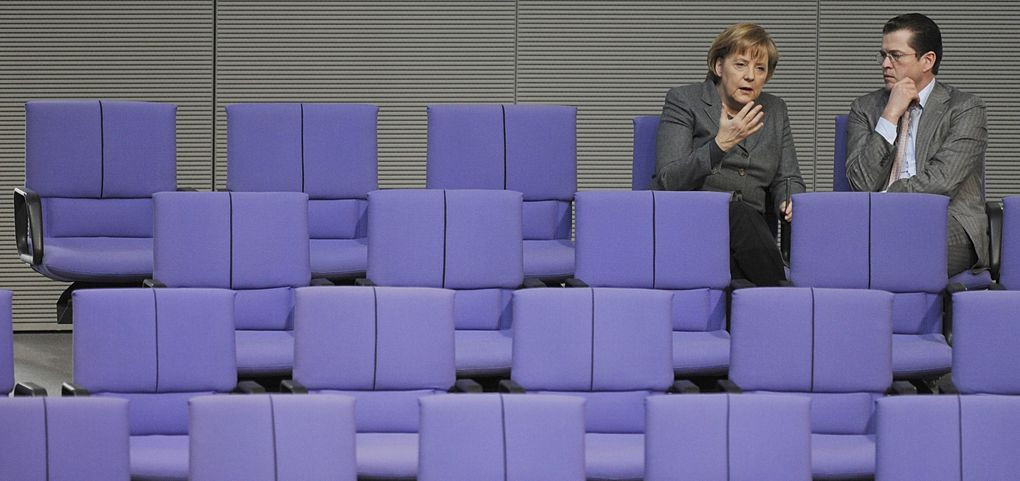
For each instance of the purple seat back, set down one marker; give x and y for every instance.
(834, 344)
(6, 343)
(728, 438)
(908, 246)
(839, 181)
(469, 240)
(1009, 266)
(825, 220)
(986, 342)
(646, 128)
(501, 437)
(325, 150)
(64, 439)
(236, 240)
(156, 347)
(648, 239)
(948, 438)
(526, 148)
(272, 438)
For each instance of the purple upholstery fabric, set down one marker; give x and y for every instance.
(483, 352)
(6, 344)
(615, 243)
(839, 181)
(547, 220)
(701, 353)
(270, 240)
(646, 128)
(113, 259)
(825, 220)
(407, 235)
(465, 147)
(908, 252)
(191, 239)
(63, 148)
(272, 437)
(614, 456)
(75, 218)
(264, 352)
(482, 226)
(338, 219)
(64, 439)
(387, 455)
(771, 339)
(159, 458)
(948, 437)
(986, 342)
(691, 240)
(541, 151)
(338, 257)
(501, 437)
(723, 437)
(264, 147)
(842, 456)
(340, 150)
(548, 258)
(139, 148)
(1009, 267)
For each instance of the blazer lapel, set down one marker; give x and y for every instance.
(931, 116)
(713, 108)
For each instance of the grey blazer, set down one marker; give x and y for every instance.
(687, 157)
(950, 151)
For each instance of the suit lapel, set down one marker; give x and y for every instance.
(931, 116)
(713, 108)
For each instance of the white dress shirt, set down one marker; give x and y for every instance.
(887, 130)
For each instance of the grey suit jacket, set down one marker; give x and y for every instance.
(687, 157)
(949, 150)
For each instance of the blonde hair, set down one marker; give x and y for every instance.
(743, 38)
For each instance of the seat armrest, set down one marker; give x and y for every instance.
(466, 386)
(508, 386)
(249, 387)
(994, 212)
(68, 389)
(291, 386)
(321, 281)
(684, 386)
(364, 282)
(152, 284)
(532, 283)
(28, 227)
(902, 388)
(29, 389)
(575, 282)
(729, 387)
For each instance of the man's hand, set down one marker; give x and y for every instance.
(903, 93)
(787, 210)
(744, 123)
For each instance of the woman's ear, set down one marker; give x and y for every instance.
(718, 67)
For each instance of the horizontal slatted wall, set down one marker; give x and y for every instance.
(399, 55)
(616, 59)
(980, 41)
(138, 50)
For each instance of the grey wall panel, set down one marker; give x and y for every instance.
(399, 55)
(616, 60)
(140, 50)
(979, 42)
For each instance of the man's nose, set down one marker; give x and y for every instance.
(886, 63)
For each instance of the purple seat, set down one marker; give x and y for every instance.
(830, 345)
(327, 151)
(646, 128)
(64, 439)
(986, 342)
(501, 437)
(255, 243)
(722, 437)
(948, 438)
(156, 348)
(1009, 266)
(611, 347)
(385, 347)
(271, 438)
(91, 167)
(889, 241)
(675, 241)
(6, 344)
(467, 240)
(839, 180)
(526, 148)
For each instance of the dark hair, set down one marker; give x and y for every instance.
(925, 37)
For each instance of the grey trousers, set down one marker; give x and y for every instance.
(962, 255)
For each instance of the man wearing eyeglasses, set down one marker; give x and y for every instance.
(920, 135)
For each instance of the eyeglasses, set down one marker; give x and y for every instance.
(893, 57)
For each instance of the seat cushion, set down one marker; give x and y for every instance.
(842, 456)
(483, 353)
(614, 456)
(338, 257)
(98, 258)
(159, 458)
(922, 355)
(548, 258)
(265, 353)
(973, 281)
(701, 353)
(387, 455)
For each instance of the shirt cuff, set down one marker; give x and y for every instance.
(887, 130)
(715, 154)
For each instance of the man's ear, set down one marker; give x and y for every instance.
(928, 61)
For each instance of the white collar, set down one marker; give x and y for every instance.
(925, 93)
